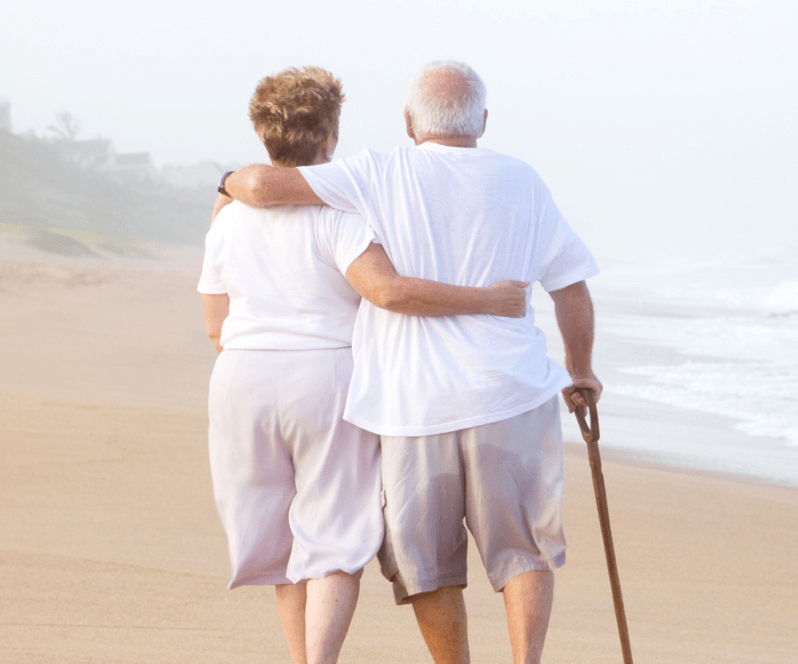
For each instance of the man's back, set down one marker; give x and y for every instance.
(466, 216)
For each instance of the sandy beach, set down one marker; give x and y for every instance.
(111, 549)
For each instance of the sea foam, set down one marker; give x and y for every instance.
(737, 328)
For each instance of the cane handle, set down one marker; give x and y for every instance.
(589, 433)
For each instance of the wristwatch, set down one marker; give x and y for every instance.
(221, 188)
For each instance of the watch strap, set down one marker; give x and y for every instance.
(221, 188)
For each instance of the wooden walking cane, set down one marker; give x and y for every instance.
(591, 436)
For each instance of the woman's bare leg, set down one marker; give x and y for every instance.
(291, 605)
(330, 607)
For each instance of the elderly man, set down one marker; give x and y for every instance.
(466, 406)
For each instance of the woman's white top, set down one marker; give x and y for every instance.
(283, 269)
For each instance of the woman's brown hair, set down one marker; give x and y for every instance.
(294, 112)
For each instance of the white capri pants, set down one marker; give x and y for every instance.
(297, 487)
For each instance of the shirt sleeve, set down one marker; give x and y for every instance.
(344, 183)
(560, 257)
(343, 239)
(210, 282)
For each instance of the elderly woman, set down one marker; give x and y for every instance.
(297, 487)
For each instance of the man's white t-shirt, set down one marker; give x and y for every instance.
(463, 216)
(283, 270)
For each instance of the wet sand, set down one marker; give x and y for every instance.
(111, 550)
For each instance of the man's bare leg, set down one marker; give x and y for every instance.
(528, 599)
(441, 616)
(291, 600)
(331, 605)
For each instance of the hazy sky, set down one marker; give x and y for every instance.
(665, 128)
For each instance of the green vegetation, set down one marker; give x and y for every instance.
(71, 242)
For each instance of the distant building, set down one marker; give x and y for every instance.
(5, 114)
(95, 153)
(137, 166)
(98, 154)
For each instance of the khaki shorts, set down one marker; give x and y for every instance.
(504, 479)
(297, 487)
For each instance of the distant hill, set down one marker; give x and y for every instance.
(42, 195)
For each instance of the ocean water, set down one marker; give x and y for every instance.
(733, 323)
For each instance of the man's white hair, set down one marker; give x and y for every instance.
(463, 115)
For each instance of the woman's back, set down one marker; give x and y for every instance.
(283, 269)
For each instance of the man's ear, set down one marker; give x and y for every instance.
(484, 123)
(409, 124)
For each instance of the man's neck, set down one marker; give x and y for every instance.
(451, 141)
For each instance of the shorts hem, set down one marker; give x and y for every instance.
(499, 581)
(404, 593)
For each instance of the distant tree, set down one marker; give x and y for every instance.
(65, 128)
